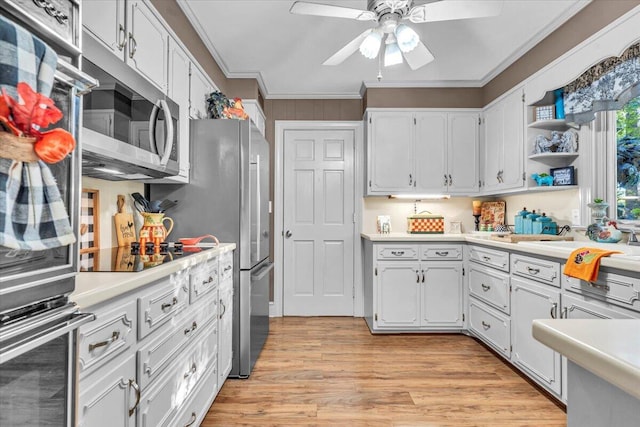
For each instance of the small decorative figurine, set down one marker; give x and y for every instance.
(542, 179)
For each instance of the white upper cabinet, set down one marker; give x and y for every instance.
(253, 109)
(199, 89)
(504, 143)
(422, 152)
(132, 32)
(178, 91)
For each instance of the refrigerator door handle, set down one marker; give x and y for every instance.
(257, 202)
(262, 272)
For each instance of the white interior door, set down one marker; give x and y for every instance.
(318, 222)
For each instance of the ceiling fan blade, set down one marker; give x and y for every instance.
(418, 57)
(317, 9)
(454, 9)
(347, 50)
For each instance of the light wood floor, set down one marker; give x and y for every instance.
(333, 372)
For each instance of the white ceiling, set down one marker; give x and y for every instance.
(285, 52)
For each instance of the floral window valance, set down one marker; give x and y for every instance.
(608, 85)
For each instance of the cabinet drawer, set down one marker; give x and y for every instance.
(196, 407)
(226, 266)
(203, 279)
(490, 286)
(616, 289)
(167, 298)
(490, 257)
(536, 269)
(160, 403)
(111, 333)
(386, 252)
(441, 252)
(157, 354)
(575, 308)
(491, 327)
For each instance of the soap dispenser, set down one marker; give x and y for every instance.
(519, 225)
(528, 222)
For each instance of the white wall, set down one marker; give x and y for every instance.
(108, 194)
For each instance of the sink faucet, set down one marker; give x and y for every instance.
(633, 239)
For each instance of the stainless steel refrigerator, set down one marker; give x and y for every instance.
(228, 196)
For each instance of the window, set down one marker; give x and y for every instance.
(628, 161)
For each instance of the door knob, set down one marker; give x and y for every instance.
(288, 234)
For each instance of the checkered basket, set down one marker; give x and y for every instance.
(425, 223)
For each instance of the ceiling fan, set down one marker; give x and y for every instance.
(399, 39)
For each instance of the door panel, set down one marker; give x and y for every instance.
(462, 152)
(431, 152)
(391, 149)
(398, 295)
(442, 294)
(318, 224)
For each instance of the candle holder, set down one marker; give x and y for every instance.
(477, 221)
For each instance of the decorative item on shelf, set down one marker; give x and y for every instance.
(527, 224)
(425, 223)
(558, 95)
(545, 112)
(477, 211)
(519, 220)
(235, 110)
(560, 142)
(602, 230)
(383, 224)
(563, 176)
(216, 104)
(542, 179)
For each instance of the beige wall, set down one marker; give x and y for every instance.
(424, 98)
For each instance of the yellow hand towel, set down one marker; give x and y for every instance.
(584, 263)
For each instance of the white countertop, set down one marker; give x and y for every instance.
(609, 348)
(96, 288)
(550, 249)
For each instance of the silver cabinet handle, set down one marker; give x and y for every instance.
(410, 180)
(134, 385)
(554, 311)
(288, 234)
(191, 371)
(417, 276)
(224, 309)
(397, 253)
(563, 313)
(423, 275)
(204, 282)
(485, 325)
(122, 37)
(133, 46)
(192, 420)
(227, 268)
(450, 180)
(193, 327)
(114, 337)
(599, 286)
(485, 287)
(486, 258)
(533, 270)
(445, 180)
(168, 305)
(445, 253)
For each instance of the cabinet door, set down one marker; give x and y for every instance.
(178, 91)
(398, 295)
(199, 89)
(107, 396)
(147, 44)
(441, 284)
(390, 140)
(462, 153)
(513, 141)
(528, 302)
(105, 21)
(225, 335)
(431, 152)
(493, 141)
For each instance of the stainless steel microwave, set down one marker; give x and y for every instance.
(130, 127)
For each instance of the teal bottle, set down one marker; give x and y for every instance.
(528, 222)
(519, 223)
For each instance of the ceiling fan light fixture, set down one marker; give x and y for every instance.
(370, 46)
(392, 53)
(407, 38)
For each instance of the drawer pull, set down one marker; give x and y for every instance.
(204, 282)
(445, 253)
(422, 276)
(193, 327)
(167, 305)
(599, 286)
(227, 268)
(417, 276)
(397, 253)
(563, 313)
(114, 337)
(485, 325)
(485, 287)
(134, 385)
(191, 371)
(486, 258)
(554, 311)
(192, 420)
(533, 270)
(224, 308)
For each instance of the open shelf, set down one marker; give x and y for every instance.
(554, 159)
(546, 189)
(554, 124)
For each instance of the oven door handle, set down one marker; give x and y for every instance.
(74, 321)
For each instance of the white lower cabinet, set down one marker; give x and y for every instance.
(165, 370)
(441, 287)
(491, 326)
(398, 286)
(531, 301)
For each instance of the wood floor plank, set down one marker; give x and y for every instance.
(330, 371)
